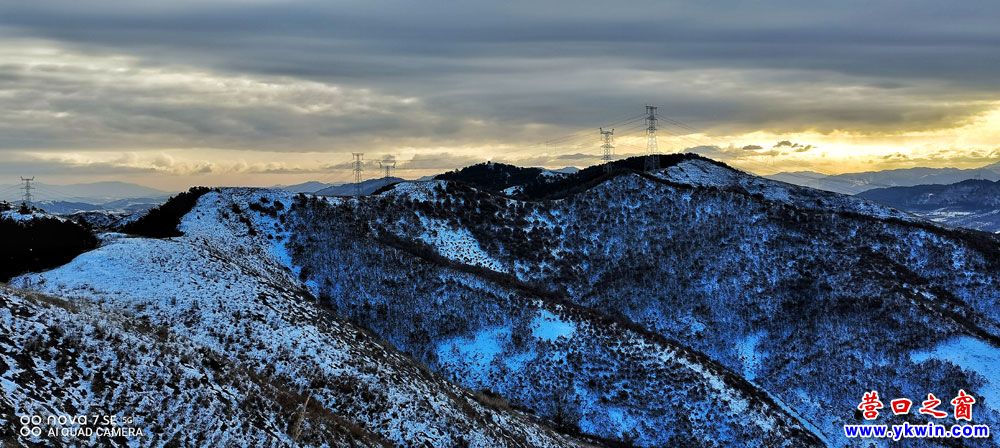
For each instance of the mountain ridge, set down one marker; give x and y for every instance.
(972, 203)
(219, 287)
(854, 183)
(96, 193)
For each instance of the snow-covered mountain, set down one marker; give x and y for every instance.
(305, 187)
(501, 177)
(854, 183)
(365, 187)
(691, 305)
(772, 282)
(96, 193)
(974, 204)
(208, 340)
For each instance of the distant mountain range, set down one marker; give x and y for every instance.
(91, 193)
(970, 203)
(371, 185)
(367, 187)
(128, 205)
(854, 183)
(305, 187)
(105, 197)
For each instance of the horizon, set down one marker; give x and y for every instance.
(12, 197)
(181, 94)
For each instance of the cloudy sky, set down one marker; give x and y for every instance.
(259, 92)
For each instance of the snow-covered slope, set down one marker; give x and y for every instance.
(488, 331)
(973, 204)
(17, 216)
(221, 291)
(71, 357)
(703, 173)
(774, 282)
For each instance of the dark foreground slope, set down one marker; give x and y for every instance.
(33, 241)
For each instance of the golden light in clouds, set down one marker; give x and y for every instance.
(79, 117)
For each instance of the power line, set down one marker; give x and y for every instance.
(621, 131)
(9, 189)
(587, 132)
(45, 191)
(609, 124)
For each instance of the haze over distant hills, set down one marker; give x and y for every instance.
(972, 203)
(367, 187)
(311, 186)
(854, 183)
(92, 193)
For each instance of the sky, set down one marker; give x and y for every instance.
(260, 92)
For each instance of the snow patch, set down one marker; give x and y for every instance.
(476, 353)
(972, 354)
(549, 327)
(749, 354)
(15, 215)
(456, 243)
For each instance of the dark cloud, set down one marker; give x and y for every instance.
(337, 77)
(437, 161)
(712, 152)
(441, 38)
(12, 167)
(570, 63)
(795, 147)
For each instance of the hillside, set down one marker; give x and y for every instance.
(585, 371)
(770, 281)
(973, 204)
(34, 241)
(217, 344)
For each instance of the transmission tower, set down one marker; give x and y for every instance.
(388, 164)
(608, 147)
(27, 189)
(652, 161)
(359, 167)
